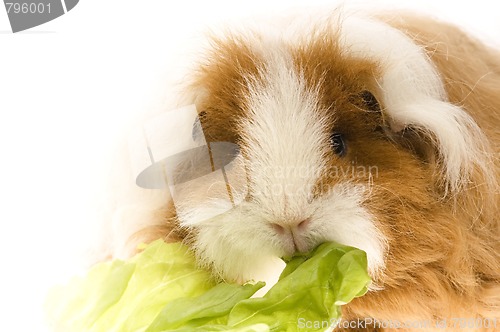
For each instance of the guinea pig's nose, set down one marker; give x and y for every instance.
(284, 226)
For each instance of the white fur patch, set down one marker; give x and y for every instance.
(238, 245)
(284, 136)
(341, 217)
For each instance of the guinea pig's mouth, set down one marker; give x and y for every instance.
(297, 253)
(291, 248)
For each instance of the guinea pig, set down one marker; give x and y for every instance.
(377, 132)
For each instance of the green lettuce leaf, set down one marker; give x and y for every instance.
(162, 289)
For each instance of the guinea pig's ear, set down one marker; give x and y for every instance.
(418, 142)
(409, 137)
(445, 136)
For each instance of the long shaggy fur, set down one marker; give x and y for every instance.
(426, 207)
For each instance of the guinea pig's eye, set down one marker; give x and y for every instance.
(338, 144)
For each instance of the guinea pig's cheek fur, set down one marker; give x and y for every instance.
(236, 245)
(342, 217)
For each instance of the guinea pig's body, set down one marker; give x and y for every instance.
(379, 134)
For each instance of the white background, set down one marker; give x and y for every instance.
(66, 87)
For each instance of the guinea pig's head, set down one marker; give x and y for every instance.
(337, 142)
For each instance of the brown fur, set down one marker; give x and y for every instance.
(443, 260)
(455, 272)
